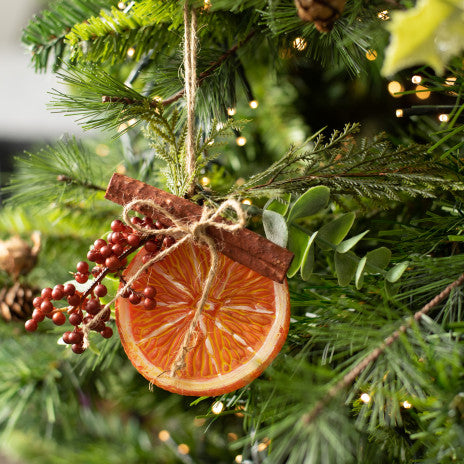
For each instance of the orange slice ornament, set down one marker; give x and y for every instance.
(242, 328)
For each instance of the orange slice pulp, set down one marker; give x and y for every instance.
(243, 325)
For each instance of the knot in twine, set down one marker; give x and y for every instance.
(183, 231)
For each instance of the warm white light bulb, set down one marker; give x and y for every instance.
(164, 435)
(241, 141)
(443, 117)
(300, 44)
(399, 113)
(121, 5)
(246, 201)
(394, 87)
(238, 458)
(183, 449)
(253, 104)
(365, 398)
(217, 407)
(131, 52)
(416, 79)
(231, 111)
(407, 405)
(371, 54)
(383, 15)
(205, 181)
(422, 93)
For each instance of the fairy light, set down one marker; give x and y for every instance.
(451, 80)
(231, 111)
(164, 435)
(443, 117)
(246, 201)
(231, 436)
(371, 54)
(365, 398)
(399, 113)
(383, 15)
(406, 405)
(422, 93)
(205, 181)
(394, 87)
(241, 141)
(217, 407)
(416, 79)
(102, 150)
(121, 169)
(299, 44)
(253, 104)
(207, 4)
(263, 445)
(131, 52)
(122, 127)
(121, 5)
(183, 449)
(238, 459)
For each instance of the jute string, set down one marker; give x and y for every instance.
(183, 232)
(190, 76)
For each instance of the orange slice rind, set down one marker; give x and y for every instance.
(242, 327)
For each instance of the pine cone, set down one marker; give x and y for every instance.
(323, 13)
(17, 257)
(16, 302)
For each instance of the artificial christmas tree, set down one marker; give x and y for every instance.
(371, 368)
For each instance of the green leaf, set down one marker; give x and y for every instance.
(379, 257)
(346, 245)
(456, 238)
(297, 244)
(396, 272)
(359, 278)
(279, 205)
(311, 202)
(345, 267)
(275, 227)
(335, 231)
(307, 263)
(430, 33)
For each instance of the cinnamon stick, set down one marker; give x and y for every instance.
(244, 246)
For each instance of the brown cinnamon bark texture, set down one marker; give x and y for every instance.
(244, 246)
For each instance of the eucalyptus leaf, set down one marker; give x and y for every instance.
(345, 267)
(279, 205)
(394, 274)
(307, 263)
(297, 244)
(335, 231)
(311, 202)
(346, 245)
(275, 227)
(359, 278)
(379, 258)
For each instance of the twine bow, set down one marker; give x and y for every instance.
(182, 231)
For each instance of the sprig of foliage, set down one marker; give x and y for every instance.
(45, 34)
(364, 169)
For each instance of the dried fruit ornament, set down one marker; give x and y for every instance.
(191, 320)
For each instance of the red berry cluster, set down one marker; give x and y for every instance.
(110, 257)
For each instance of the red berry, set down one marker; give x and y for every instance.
(117, 225)
(76, 337)
(99, 259)
(100, 290)
(47, 292)
(75, 318)
(117, 237)
(159, 225)
(112, 263)
(59, 318)
(148, 222)
(149, 292)
(135, 298)
(151, 246)
(57, 293)
(93, 306)
(31, 325)
(46, 307)
(92, 255)
(37, 301)
(38, 315)
(97, 326)
(82, 267)
(78, 348)
(81, 278)
(74, 300)
(106, 251)
(117, 249)
(69, 289)
(98, 244)
(136, 221)
(149, 304)
(106, 315)
(168, 242)
(126, 293)
(133, 240)
(107, 332)
(66, 337)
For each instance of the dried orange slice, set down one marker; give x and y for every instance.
(242, 327)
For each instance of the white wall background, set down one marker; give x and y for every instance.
(23, 93)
